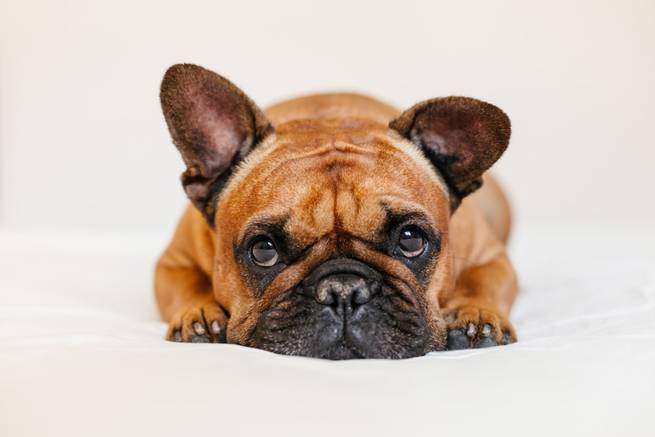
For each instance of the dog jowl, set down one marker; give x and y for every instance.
(334, 226)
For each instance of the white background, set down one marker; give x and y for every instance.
(84, 150)
(83, 145)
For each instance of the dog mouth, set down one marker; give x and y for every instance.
(343, 310)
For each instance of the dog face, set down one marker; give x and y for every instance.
(331, 234)
(332, 257)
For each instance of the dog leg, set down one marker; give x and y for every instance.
(183, 286)
(186, 301)
(477, 311)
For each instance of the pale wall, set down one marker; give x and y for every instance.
(83, 144)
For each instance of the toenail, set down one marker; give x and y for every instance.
(177, 336)
(215, 327)
(198, 328)
(486, 330)
(472, 329)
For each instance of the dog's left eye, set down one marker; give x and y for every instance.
(264, 253)
(411, 241)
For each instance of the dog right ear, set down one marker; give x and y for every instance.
(213, 124)
(461, 136)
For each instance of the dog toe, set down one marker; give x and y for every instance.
(470, 327)
(485, 342)
(457, 339)
(198, 324)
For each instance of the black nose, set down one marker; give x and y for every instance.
(345, 290)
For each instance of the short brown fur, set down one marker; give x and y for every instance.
(343, 144)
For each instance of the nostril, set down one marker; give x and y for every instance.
(361, 295)
(346, 290)
(325, 295)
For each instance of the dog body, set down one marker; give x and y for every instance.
(320, 228)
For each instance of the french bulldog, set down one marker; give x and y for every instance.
(334, 225)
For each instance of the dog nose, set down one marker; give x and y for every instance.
(345, 289)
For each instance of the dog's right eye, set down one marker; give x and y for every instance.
(264, 253)
(411, 242)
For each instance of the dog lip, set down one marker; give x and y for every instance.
(341, 265)
(342, 350)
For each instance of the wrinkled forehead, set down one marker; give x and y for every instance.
(345, 174)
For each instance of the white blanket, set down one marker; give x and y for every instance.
(82, 353)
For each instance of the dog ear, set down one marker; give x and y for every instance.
(213, 124)
(462, 137)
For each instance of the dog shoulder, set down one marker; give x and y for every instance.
(192, 243)
(472, 239)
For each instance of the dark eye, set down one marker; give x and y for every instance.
(411, 241)
(264, 253)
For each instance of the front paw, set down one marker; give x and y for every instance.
(200, 323)
(473, 327)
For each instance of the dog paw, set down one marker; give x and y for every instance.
(472, 327)
(202, 323)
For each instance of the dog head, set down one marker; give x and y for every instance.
(331, 234)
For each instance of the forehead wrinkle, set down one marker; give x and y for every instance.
(355, 172)
(311, 147)
(313, 217)
(368, 140)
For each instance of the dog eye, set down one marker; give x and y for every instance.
(411, 241)
(264, 253)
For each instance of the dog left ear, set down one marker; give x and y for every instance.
(461, 136)
(213, 124)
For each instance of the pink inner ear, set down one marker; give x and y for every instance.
(224, 137)
(436, 141)
(212, 125)
(454, 143)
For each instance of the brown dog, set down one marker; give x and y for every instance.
(333, 226)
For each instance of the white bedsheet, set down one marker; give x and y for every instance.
(81, 353)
